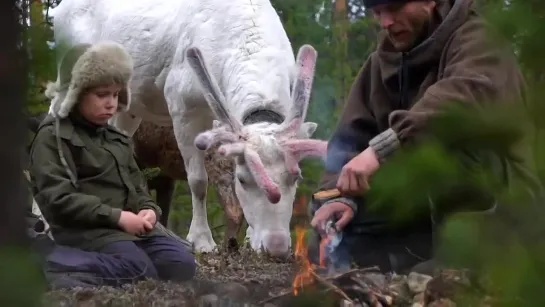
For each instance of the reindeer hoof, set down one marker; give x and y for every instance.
(202, 242)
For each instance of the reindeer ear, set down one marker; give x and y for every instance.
(306, 65)
(211, 89)
(307, 130)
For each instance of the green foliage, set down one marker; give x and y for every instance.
(521, 22)
(150, 173)
(21, 278)
(451, 168)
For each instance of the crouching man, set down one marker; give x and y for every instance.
(430, 53)
(85, 179)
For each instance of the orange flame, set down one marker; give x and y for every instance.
(323, 245)
(305, 276)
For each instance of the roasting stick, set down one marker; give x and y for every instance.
(327, 194)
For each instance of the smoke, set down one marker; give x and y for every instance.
(335, 252)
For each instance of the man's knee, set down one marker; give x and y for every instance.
(171, 258)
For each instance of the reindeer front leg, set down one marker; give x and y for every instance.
(186, 127)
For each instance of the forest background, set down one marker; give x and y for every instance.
(508, 249)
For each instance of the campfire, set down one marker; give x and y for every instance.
(309, 273)
(353, 286)
(327, 262)
(315, 276)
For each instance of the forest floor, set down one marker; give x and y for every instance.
(243, 276)
(246, 279)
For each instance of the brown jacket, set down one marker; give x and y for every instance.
(396, 93)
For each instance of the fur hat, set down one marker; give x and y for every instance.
(85, 66)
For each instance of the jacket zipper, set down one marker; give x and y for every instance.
(403, 74)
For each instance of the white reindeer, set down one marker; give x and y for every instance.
(249, 71)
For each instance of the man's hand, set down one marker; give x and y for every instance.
(148, 215)
(326, 212)
(134, 224)
(355, 175)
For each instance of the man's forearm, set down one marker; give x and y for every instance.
(343, 147)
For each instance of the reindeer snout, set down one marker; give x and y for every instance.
(276, 243)
(202, 141)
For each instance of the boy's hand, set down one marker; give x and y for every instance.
(148, 215)
(134, 224)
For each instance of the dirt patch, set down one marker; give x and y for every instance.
(252, 270)
(244, 277)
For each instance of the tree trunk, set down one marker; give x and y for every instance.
(341, 43)
(18, 273)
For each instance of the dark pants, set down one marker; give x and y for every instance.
(390, 252)
(120, 263)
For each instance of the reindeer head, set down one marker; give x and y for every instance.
(266, 155)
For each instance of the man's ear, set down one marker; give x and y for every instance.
(307, 130)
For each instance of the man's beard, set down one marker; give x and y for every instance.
(422, 31)
(425, 31)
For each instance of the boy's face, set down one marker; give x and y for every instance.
(99, 104)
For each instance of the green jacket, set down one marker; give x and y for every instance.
(83, 197)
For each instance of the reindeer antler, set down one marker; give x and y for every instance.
(297, 150)
(230, 132)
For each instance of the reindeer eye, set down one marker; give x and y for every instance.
(241, 180)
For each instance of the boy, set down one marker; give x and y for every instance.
(88, 186)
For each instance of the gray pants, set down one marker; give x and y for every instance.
(120, 263)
